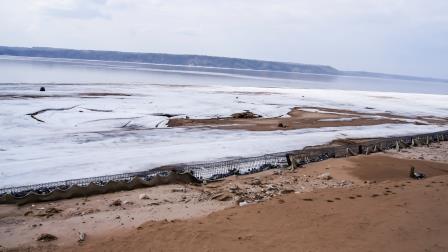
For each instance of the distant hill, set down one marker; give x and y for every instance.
(169, 59)
(194, 60)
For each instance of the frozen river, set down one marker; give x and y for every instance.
(107, 118)
(41, 70)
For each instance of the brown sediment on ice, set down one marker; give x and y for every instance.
(103, 94)
(300, 118)
(362, 202)
(388, 115)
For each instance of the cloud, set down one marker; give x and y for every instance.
(397, 36)
(80, 9)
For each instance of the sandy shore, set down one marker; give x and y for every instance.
(348, 204)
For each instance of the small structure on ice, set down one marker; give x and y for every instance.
(245, 115)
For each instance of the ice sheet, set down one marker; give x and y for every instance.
(108, 134)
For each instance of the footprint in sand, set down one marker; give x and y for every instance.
(330, 200)
(308, 199)
(352, 197)
(375, 195)
(337, 198)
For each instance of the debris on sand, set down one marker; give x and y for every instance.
(245, 115)
(42, 89)
(116, 203)
(84, 212)
(416, 175)
(255, 182)
(286, 191)
(222, 197)
(182, 190)
(233, 188)
(277, 172)
(243, 203)
(143, 196)
(49, 212)
(325, 176)
(81, 237)
(127, 202)
(46, 237)
(41, 212)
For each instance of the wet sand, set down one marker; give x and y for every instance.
(368, 203)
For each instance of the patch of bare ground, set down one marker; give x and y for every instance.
(346, 204)
(299, 118)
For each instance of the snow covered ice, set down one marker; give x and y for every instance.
(114, 128)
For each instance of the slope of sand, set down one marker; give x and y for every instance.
(370, 203)
(405, 216)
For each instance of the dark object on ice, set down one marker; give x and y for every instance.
(245, 115)
(165, 115)
(416, 175)
(282, 125)
(42, 89)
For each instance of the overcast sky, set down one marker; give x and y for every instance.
(392, 36)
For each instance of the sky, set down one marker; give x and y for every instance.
(391, 36)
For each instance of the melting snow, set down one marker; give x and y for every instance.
(101, 134)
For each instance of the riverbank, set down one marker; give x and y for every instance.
(377, 188)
